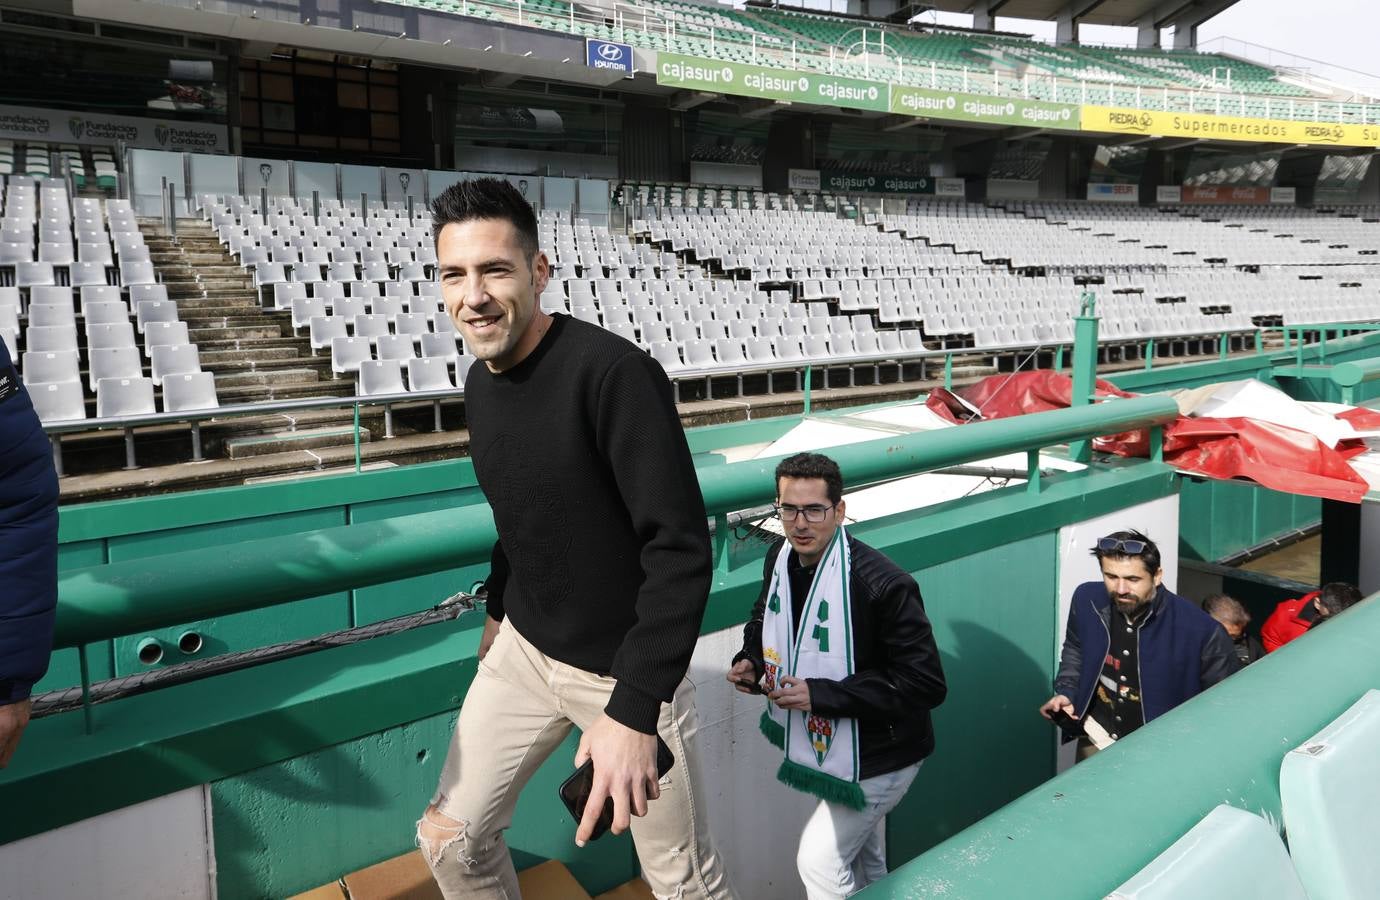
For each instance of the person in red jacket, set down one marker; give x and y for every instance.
(1293, 617)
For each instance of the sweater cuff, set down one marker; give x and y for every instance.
(629, 706)
(757, 662)
(14, 691)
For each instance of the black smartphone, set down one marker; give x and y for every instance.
(1065, 721)
(752, 687)
(575, 789)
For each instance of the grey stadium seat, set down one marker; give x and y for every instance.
(173, 359)
(51, 367)
(190, 391)
(58, 401)
(124, 397)
(429, 374)
(113, 362)
(380, 376)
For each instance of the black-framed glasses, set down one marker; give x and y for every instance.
(814, 513)
(1128, 546)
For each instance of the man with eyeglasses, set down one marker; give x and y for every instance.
(1133, 650)
(840, 645)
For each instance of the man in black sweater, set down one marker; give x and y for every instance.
(600, 574)
(844, 652)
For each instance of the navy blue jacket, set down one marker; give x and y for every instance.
(28, 540)
(1182, 650)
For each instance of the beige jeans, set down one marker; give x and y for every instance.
(519, 708)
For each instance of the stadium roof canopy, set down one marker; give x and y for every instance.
(1093, 12)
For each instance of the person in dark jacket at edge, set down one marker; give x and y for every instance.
(847, 659)
(1133, 650)
(28, 555)
(1234, 619)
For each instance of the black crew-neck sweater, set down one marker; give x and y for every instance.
(603, 558)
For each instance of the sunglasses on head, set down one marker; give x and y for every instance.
(1128, 546)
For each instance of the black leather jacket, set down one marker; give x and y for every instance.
(897, 677)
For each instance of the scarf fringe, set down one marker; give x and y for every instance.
(821, 785)
(772, 730)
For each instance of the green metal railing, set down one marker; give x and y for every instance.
(1224, 746)
(103, 602)
(1294, 336)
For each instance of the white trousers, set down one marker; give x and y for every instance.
(841, 849)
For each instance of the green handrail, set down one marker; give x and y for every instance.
(1088, 830)
(103, 602)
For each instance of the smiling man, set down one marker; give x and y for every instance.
(840, 638)
(600, 574)
(1133, 650)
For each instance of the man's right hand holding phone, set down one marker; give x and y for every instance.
(743, 676)
(1059, 710)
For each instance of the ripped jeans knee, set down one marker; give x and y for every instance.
(437, 833)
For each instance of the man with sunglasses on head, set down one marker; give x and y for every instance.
(1133, 650)
(840, 645)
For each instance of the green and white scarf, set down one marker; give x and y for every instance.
(821, 753)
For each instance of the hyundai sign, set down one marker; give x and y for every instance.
(608, 55)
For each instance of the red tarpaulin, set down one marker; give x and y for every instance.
(1284, 459)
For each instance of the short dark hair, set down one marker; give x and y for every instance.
(812, 465)
(1150, 556)
(1226, 609)
(485, 198)
(1338, 596)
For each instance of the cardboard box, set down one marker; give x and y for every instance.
(403, 877)
(332, 891)
(637, 889)
(550, 881)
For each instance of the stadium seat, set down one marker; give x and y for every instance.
(324, 329)
(1330, 787)
(56, 402)
(348, 353)
(61, 337)
(380, 376)
(51, 367)
(150, 311)
(1230, 853)
(118, 397)
(395, 346)
(113, 362)
(429, 374)
(173, 359)
(185, 392)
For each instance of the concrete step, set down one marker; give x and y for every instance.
(257, 393)
(302, 439)
(236, 333)
(299, 344)
(212, 305)
(267, 377)
(295, 367)
(219, 360)
(246, 316)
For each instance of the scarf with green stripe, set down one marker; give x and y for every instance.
(821, 752)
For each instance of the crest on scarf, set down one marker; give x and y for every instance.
(821, 735)
(773, 663)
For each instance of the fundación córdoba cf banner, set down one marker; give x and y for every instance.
(65, 126)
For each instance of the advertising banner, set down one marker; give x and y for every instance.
(1283, 195)
(871, 183)
(1168, 193)
(1227, 128)
(803, 179)
(609, 55)
(1225, 194)
(1114, 193)
(960, 107)
(696, 74)
(60, 126)
(949, 187)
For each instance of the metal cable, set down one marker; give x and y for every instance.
(64, 700)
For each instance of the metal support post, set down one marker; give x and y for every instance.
(1084, 367)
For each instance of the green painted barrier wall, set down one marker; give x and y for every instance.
(1218, 519)
(283, 828)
